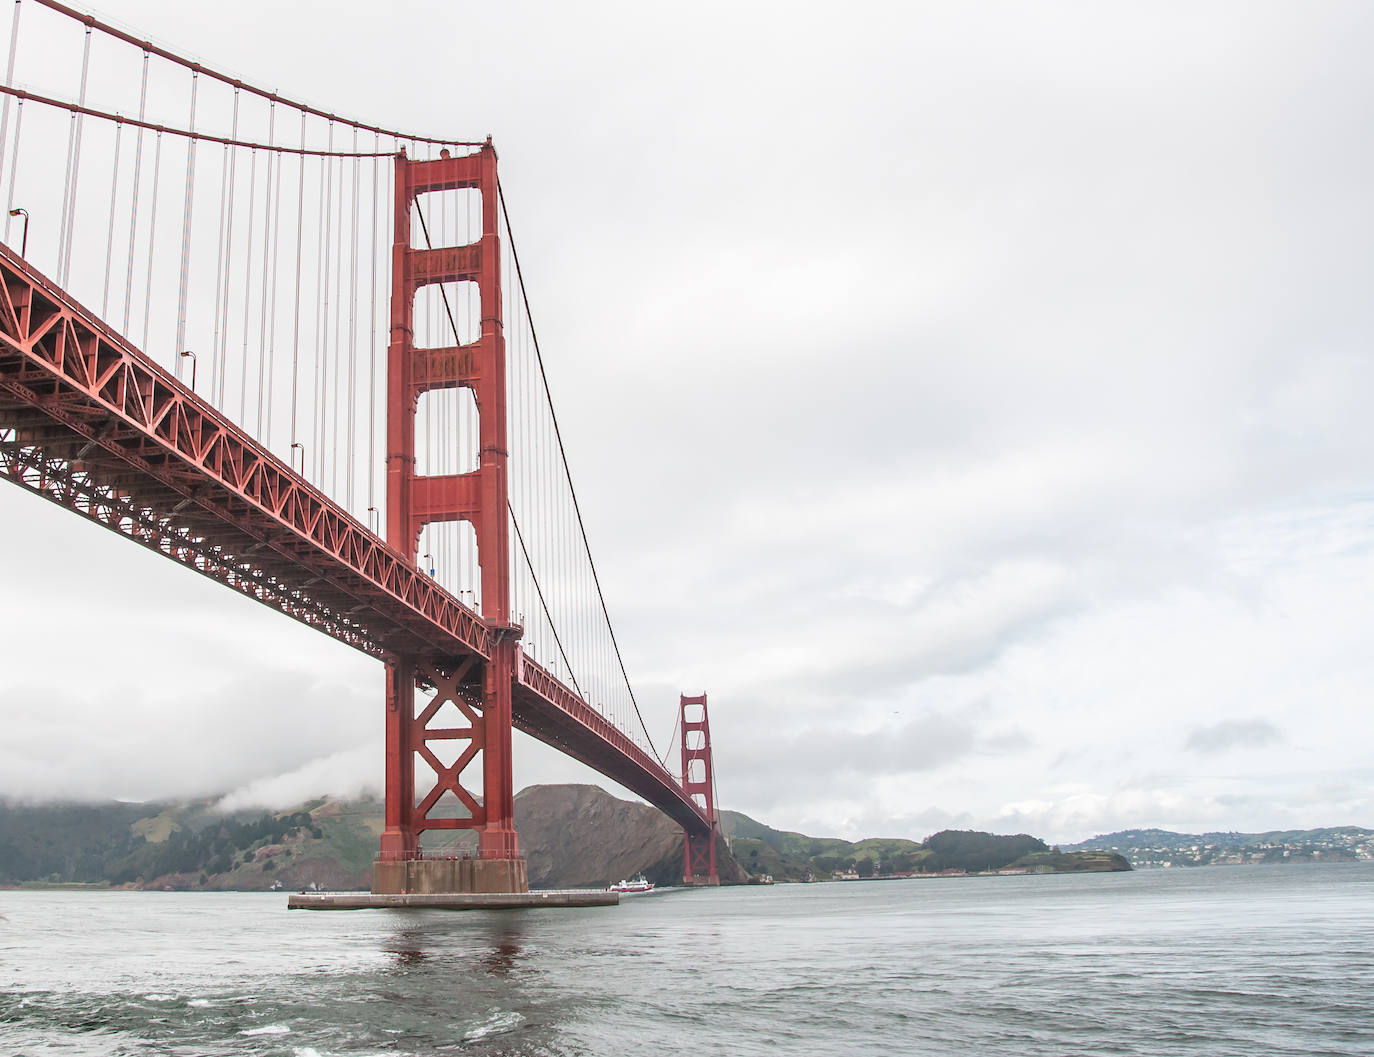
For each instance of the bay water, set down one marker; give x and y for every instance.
(1216, 961)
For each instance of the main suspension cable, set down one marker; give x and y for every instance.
(90, 22)
(79, 109)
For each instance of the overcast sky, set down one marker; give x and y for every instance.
(973, 399)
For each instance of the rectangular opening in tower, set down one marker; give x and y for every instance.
(453, 218)
(446, 433)
(448, 552)
(447, 314)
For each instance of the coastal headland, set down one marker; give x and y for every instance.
(573, 836)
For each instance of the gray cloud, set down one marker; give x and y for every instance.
(122, 742)
(1233, 734)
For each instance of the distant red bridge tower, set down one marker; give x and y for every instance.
(699, 783)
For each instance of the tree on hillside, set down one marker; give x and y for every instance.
(974, 850)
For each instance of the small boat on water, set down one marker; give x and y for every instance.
(634, 884)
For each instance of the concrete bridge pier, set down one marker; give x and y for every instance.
(456, 876)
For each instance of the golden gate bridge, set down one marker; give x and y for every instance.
(314, 377)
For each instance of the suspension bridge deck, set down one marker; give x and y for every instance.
(271, 476)
(90, 423)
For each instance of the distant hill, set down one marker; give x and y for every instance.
(790, 856)
(1162, 847)
(578, 835)
(189, 845)
(571, 836)
(1163, 838)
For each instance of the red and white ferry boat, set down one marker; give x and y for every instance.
(634, 884)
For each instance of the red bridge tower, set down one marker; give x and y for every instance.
(479, 687)
(698, 782)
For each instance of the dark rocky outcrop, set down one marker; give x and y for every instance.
(575, 836)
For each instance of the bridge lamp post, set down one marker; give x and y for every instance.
(294, 445)
(429, 558)
(24, 242)
(184, 354)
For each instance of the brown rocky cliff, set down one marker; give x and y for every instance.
(576, 836)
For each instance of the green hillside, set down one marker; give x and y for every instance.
(789, 856)
(190, 845)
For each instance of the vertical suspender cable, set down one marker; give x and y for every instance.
(109, 238)
(319, 303)
(76, 162)
(227, 268)
(540, 507)
(547, 558)
(352, 330)
(514, 423)
(226, 194)
(296, 324)
(322, 315)
(565, 560)
(426, 400)
(469, 427)
(186, 228)
(372, 350)
(451, 418)
(152, 242)
(272, 326)
(439, 407)
(73, 167)
(14, 162)
(336, 359)
(5, 114)
(527, 451)
(263, 388)
(248, 286)
(133, 201)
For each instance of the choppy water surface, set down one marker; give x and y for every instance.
(1237, 961)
